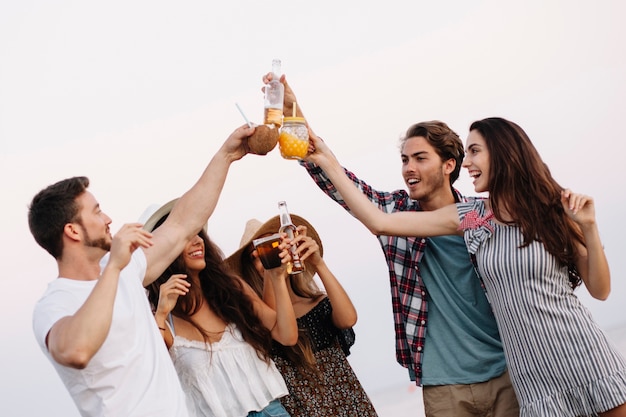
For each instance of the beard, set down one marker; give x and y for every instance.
(430, 185)
(101, 243)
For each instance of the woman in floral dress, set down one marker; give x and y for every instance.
(320, 380)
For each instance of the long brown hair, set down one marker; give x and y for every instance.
(521, 184)
(303, 285)
(223, 291)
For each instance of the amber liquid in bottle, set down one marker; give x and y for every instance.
(296, 266)
(273, 116)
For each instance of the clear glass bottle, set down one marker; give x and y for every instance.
(296, 266)
(274, 96)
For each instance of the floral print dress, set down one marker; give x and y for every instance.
(334, 390)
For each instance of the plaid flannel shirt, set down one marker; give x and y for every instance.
(403, 254)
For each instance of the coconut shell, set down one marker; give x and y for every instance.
(263, 140)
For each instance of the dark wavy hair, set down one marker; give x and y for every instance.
(521, 184)
(224, 293)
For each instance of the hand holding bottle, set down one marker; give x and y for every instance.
(308, 249)
(274, 97)
(289, 97)
(319, 153)
(287, 227)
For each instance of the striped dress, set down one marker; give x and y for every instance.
(560, 361)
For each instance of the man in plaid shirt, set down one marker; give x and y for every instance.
(459, 360)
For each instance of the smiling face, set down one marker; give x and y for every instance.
(425, 174)
(193, 254)
(477, 161)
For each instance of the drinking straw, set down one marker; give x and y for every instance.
(294, 109)
(244, 116)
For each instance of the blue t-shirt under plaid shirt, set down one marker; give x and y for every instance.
(403, 255)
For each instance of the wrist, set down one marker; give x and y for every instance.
(589, 227)
(317, 262)
(279, 278)
(160, 317)
(225, 156)
(111, 269)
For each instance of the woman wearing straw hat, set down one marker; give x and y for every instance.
(219, 332)
(321, 382)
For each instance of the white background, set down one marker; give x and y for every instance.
(138, 95)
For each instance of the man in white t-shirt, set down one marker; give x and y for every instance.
(94, 321)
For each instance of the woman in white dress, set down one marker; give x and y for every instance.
(219, 332)
(533, 243)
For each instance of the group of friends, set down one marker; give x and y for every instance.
(156, 321)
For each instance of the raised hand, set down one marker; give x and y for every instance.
(308, 248)
(319, 153)
(591, 262)
(289, 97)
(579, 207)
(130, 237)
(280, 273)
(169, 292)
(236, 145)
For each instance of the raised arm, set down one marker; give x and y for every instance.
(592, 264)
(344, 313)
(195, 207)
(444, 221)
(289, 97)
(277, 314)
(386, 201)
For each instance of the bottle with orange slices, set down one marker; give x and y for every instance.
(293, 138)
(274, 95)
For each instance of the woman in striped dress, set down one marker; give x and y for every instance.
(533, 243)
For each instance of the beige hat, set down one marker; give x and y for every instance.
(153, 214)
(254, 229)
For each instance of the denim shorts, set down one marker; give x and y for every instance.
(273, 409)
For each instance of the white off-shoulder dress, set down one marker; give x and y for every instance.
(560, 362)
(225, 378)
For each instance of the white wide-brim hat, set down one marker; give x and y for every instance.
(154, 213)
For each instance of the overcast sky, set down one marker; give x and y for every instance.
(138, 95)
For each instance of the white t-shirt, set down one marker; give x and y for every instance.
(132, 373)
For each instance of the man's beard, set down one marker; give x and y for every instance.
(100, 243)
(431, 184)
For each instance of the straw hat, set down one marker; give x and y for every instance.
(254, 229)
(154, 213)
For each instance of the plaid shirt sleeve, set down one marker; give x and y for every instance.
(385, 201)
(408, 294)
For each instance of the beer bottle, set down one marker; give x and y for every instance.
(286, 226)
(274, 96)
